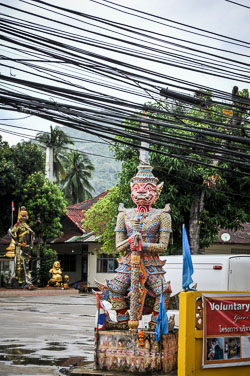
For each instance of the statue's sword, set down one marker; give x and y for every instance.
(135, 289)
(138, 291)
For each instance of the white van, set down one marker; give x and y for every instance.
(211, 273)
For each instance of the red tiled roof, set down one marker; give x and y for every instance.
(75, 212)
(76, 216)
(241, 236)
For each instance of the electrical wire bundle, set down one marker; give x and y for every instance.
(104, 78)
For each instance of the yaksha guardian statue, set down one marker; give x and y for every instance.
(22, 236)
(142, 233)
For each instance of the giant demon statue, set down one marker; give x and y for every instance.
(142, 233)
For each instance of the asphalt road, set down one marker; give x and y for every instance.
(46, 335)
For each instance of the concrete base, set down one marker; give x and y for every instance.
(86, 371)
(119, 351)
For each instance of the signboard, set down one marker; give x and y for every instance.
(226, 330)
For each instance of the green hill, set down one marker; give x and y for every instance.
(106, 168)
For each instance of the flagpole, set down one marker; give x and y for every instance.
(161, 339)
(12, 220)
(12, 213)
(97, 332)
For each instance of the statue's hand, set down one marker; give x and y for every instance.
(135, 242)
(137, 239)
(131, 243)
(141, 245)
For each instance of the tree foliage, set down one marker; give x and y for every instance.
(201, 208)
(76, 184)
(101, 218)
(106, 167)
(27, 158)
(57, 139)
(16, 164)
(45, 204)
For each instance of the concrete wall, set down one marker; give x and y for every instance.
(227, 248)
(92, 267)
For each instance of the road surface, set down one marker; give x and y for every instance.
(46, 335)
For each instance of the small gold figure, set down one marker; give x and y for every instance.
(56, 278)
(66, 282)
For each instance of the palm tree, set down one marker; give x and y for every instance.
(76, 186)
(56, 140)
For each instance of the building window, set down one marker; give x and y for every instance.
(106, 263)
(68, 262)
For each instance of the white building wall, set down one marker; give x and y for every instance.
(92, 267)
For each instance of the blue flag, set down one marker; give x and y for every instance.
(162, 320)
(187, 269)
(101, 320)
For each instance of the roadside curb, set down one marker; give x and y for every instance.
(37, 292)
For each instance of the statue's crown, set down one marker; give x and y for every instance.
(144, 175)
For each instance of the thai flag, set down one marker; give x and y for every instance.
(101, 313)
(101, 319)
(12, 206)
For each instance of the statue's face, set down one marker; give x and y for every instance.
(57, 265)
(23, 217)
(143, 193)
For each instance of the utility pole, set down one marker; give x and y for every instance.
(49, 163)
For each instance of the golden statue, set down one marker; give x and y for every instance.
(56, 279)
(66, 282)
(22, 238)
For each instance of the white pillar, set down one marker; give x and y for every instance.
(49, 163)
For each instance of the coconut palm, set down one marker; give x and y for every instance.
(57, 140)
(76, 186)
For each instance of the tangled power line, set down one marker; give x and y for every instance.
(93, 74)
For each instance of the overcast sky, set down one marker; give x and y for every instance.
(218, 16)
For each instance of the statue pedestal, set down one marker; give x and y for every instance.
(117, 350)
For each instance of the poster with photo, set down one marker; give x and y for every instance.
(226, 330)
